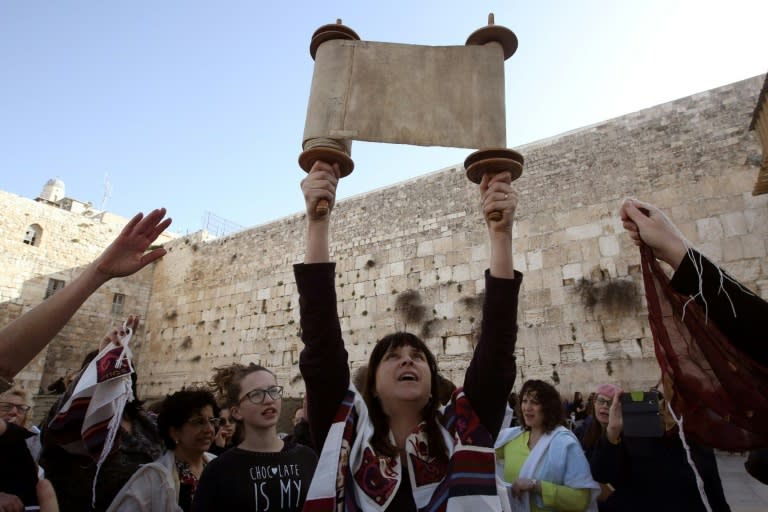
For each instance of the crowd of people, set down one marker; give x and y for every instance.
(396, 437)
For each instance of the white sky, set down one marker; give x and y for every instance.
(200, 106)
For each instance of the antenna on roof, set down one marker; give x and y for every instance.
(107, 192)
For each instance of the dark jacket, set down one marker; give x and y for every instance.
(18, 471)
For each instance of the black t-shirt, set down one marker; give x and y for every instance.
(257, 481)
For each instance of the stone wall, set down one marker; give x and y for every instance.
(68, 242)
(411, 256)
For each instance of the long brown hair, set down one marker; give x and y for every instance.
(429, 414)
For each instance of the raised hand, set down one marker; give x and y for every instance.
(653, 229)
(320, 185)
(615, 419)
(117, 333)
(498, 196)
(126, 254)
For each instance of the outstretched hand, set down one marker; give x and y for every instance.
(320, 184)
(117, 333)
(498, 196)
(653, 229)
(126, 254)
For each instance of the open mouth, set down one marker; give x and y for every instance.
(408, 376)
(269, 411)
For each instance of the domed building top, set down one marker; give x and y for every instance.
(53, 190)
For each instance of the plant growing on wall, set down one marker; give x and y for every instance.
(615, 296)
(409, 307)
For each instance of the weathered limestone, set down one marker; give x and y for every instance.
(211, 303)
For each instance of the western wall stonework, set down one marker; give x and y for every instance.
(67, 243)
(411, 256)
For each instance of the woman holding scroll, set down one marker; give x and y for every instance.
(391, 445)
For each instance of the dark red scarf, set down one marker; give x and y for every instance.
(721, 393)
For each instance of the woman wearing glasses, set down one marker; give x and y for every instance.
(262, 473)
(648, 473)
(18, 475)
(187, 424)
(225, 434)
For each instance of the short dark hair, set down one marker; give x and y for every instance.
(380, 438)
(179, 407)
(548, 397)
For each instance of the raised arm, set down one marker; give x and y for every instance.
(491, 373)
(25, 337)
(323, 362)
(655, 230)
(739, 313)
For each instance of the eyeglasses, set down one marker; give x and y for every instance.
(7, 406)
(603, 402)
(229, 420)
(200, 422)
(257, 396)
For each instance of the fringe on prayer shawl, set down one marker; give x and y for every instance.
(97, 403)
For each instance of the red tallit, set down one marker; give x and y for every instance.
(721, 393)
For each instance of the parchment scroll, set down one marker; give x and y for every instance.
(451, 96)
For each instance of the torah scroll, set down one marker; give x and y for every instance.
(451, 96)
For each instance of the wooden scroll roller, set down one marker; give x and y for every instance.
(448, 96)
(331, 151)
(494, 160)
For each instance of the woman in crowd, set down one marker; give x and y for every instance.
(225, 433)
(69, 466)
(652, 473)
(578, 408)
(595, 428)
(187, 424)
(14, 408)
(18, 473)
(390, 445)
(541, 462)
(262, 473)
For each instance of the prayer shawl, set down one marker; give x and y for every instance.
(351, 477)
(89, 420)
(720, 393)
(557, 458)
